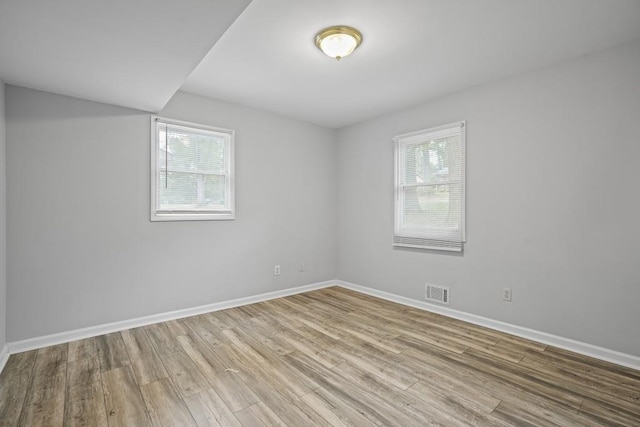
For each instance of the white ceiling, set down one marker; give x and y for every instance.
(413, 51)
(134, 53)
(139, 53)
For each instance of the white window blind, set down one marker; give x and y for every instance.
(430, 188)
(191, 171)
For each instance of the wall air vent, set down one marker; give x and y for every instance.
(434, 293)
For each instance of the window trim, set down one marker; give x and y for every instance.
(192, 215)
(428, 238)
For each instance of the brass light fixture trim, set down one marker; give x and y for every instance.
(340, 41)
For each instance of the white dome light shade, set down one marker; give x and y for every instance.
(338, 45)
(338, 42)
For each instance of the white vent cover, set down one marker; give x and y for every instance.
(434, 293)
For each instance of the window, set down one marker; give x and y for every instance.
(191, 171)
(429, 188)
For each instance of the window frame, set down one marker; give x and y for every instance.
(193, 215)
(433, 238)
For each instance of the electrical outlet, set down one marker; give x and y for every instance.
(276, 270)
(506, 294)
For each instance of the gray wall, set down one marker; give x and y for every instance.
(553, 203)
(3, 222)
(552, 206)
(81, 248)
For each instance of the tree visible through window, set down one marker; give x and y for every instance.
(429, 202)
(191, 171)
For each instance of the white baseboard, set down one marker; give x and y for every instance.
(586, 349)
(93, 331)
(4, 356)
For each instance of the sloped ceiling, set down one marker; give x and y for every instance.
(139, 53)
(133, 53)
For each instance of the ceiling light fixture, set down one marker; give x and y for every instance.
(338, 41)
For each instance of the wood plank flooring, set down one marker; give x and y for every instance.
(331, 357)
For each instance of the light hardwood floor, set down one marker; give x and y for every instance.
(328, 357)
